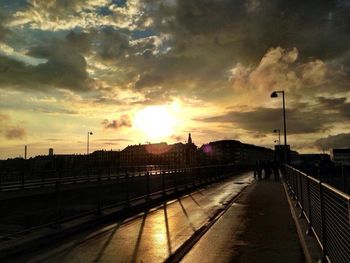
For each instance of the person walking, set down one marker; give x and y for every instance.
(267, 170)
(276, 170)
(259, 170)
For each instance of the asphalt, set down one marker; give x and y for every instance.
(258, 227)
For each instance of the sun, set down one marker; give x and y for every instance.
(156, 122)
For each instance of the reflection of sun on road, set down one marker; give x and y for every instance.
(155, 122)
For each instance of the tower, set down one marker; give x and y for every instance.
(189, 141)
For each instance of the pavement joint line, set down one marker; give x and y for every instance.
(192, 240)
(298, 227)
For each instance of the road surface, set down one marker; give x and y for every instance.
(257, 228)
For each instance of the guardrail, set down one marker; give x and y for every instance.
(49, 179)
(51, 206)
(337, 176)
(28, 178)
(327, 211)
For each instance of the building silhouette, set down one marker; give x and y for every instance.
(233, 152)
(179, 154)
(341, 155)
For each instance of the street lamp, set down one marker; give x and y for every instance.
(88, 134)
(275, 95)
(279, 135)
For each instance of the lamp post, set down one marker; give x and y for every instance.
(275, 95)
(88, 135)
(279, 135)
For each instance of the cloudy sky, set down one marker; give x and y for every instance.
(136, 71)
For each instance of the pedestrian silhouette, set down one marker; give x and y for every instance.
(275, 170)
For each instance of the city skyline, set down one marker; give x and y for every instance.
(134, 71)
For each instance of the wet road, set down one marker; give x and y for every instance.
(148, 237)
(257, 227)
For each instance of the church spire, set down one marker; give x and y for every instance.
(189, 139)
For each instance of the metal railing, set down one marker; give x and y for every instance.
(337, 176)
(327, 211)
(62, 202)
(28, 178)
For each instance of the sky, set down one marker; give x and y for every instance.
(137, 71)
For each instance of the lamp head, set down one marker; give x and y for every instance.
(90, 133)
(274, 94)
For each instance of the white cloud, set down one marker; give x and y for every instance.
(8, 51)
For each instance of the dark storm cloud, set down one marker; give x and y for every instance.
(189, 46)
(207, 38)
(3, 29)
(124, 121)
(79, 40)
(334, 141)
(64, 68)
(336, 104)
(112, 43)
(253, 26)
(265, 120)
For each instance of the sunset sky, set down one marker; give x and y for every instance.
(134, 71)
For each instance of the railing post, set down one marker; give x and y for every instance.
(290, 171)
(127, 189)
(301, 177)
(75, 175)
(58, 204)
(199, 169)
(296, 187)
(147, 186)
(175, 179)
(59, 174)
(99, 201)
(193, 173)
(22, 178)
(309, 229)
(343, 179)
(323, 224)
(87, 172)
(163, 182)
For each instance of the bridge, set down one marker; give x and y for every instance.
(217, 213)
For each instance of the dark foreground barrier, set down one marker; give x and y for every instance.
(63, 201)
(326, 210)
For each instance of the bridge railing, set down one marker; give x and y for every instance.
(327, 211)
(63, 201)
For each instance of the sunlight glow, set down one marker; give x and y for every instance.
(156, 122)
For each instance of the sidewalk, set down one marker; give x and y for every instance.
(258, 227)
